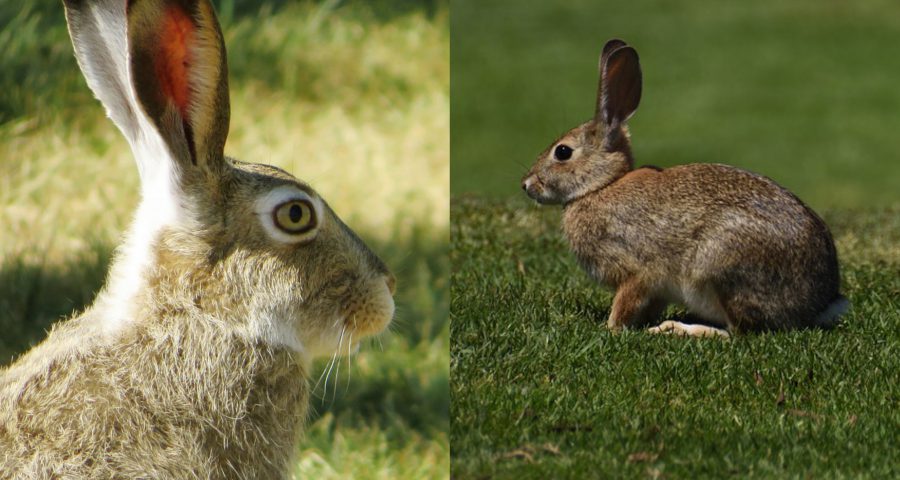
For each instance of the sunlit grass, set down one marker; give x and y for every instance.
(353, 99)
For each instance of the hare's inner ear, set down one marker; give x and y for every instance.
(179, 75)
(620, 85)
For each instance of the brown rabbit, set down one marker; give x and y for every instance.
(738, 250)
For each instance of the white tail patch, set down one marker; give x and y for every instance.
(830, 316)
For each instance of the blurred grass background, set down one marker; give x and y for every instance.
(350, 96)
(804, 92)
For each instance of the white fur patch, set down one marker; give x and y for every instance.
(159, 208)
(266, 204)
(672, 327)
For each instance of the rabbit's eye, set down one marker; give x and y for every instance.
(562, 152)
(295, 217)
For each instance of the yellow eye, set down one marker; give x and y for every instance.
(295, 217)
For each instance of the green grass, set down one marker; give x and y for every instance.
(541, 389)
(802, 91)
(351, 97)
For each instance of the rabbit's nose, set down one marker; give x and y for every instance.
(527, 182)
(391, 282)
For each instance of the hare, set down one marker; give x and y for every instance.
(193, 361)
(738, 250)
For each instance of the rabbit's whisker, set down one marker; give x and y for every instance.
(337, 373)
(349, 359)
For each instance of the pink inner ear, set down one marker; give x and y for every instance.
(173, 58)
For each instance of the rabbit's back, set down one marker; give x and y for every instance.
(707, 226)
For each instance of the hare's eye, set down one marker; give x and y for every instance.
(562, 152)
(295, 217)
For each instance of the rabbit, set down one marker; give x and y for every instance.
(739, 251)
(193, 362)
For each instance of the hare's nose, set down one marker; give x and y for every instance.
(391, 282)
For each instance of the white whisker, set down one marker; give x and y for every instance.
(320, 381)
(337, 374)
(349, 354)
(331, 365)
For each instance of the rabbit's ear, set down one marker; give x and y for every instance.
(159, 69)
(179, 76)
(620, 84)
(612, 44)
(98, 34)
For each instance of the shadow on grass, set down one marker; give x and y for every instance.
(407, 387)
(33, 296)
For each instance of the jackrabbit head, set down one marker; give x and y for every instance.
(242, 244)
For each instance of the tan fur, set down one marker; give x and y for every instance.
(737, 249)
(184, 399)
(198, 367)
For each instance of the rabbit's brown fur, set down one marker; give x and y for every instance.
(737, 249)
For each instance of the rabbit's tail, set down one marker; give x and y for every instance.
(830, 316)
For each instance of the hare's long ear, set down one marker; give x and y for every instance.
(178, 71)
(98, 31)
(159, 68)
(619, 92)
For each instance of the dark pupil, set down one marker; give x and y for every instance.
(296, 213)
(563, 152)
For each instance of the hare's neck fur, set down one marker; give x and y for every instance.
(128, 275)
(174, 400)
(150, 279)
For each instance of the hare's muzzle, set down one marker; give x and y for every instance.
(373, 312)
(391, 283)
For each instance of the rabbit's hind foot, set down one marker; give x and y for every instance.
(671, 327)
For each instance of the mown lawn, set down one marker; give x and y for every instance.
(349, 96)
(542, 390)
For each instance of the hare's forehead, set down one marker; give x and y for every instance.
(261, 171)
(261, 179)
